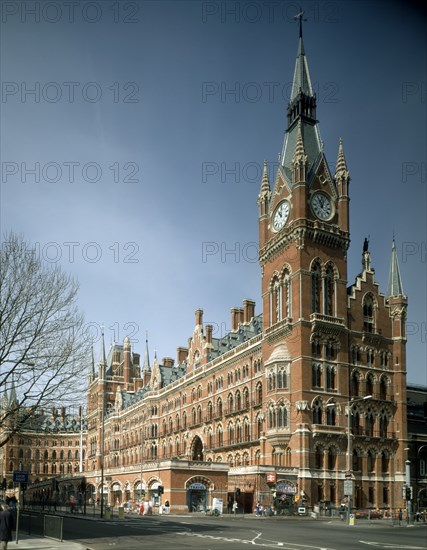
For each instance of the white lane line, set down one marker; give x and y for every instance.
(391, 545)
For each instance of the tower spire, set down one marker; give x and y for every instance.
(13, 399)
(102, 356)
(301, 109)
(395, 287)
(146, 365)
(341, 170)
(91, 369)
(302, 81)
(265, 183)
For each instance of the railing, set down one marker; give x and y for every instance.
(379, 396)
(327, 428)
(327, 319)
(368, 432)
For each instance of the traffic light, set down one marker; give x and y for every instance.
(408, 493)
(237, 492)
(160, 489)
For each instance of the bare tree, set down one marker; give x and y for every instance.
(43, 345)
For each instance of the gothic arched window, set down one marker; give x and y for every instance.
(317, 412)
(282, 416)
(271, 416)
(316, 375)
(331, 414)
(287, 295)
(316, 282)
(368, 313)
(329, 291)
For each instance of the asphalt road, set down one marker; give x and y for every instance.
(187, 531)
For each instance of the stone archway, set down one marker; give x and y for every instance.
(197, 449)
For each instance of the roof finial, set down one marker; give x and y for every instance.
(301, 19)
(366, 255)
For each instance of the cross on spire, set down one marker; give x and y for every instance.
(301, 18)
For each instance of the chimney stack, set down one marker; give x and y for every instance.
(209, 330)
(181, 354)
(249, 310)
(199, 317)
(235, 318)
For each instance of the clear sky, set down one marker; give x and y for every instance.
(133, 136)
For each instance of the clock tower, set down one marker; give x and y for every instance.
(304, 237)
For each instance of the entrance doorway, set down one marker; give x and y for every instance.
(197, 496)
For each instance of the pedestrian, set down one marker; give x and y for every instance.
(235, 506)
(7, 524)
(229, 506)
(400, 515)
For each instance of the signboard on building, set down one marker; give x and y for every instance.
(271, 478)
(197, 487)
(20, 476)
(286, 487)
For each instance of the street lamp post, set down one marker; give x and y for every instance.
(349, 449)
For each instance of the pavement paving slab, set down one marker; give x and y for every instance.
(29, 542)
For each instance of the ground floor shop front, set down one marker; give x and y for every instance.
(195, 486)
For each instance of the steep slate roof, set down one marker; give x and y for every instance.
(220, 346)
(235, 338)
(301, 87)
(70, 423)
(170, 374)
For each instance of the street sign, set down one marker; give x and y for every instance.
(348, 487)
(20, 476)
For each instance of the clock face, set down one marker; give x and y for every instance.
(321, 204)
(281, 215)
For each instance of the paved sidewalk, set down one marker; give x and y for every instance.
(28, 542)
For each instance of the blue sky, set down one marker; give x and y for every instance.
(146, 134)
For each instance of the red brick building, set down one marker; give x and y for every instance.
(271, 398)
(293, 399)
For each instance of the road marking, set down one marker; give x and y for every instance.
(391, 545)
(254, 542)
